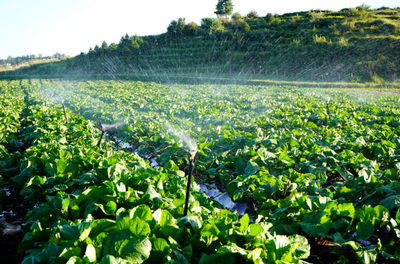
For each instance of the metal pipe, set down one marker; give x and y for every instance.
(192, 159)
(327, 110)
(101, 137)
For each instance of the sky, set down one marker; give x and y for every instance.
(73, 26)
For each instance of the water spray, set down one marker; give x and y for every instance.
(65, 113)
(51, 98)
(192, 155)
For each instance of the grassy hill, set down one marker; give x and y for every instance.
(356, 45)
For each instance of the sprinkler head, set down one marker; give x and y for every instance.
(193, 155)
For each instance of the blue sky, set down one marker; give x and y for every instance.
(70, 27)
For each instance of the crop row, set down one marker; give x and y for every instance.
(11, 105)
(95, 204)
(309, 161)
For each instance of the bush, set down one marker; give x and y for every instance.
(320, 39)
(269, 18)
(252, 14)
(376, 23)
(389, 28)
(190, 29)
(237, 18)
(211, 25)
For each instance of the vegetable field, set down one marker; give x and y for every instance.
(319, 171)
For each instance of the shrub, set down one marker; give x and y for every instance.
(211, 25)
(252, 14)
(190, 29)
(237, 18)
(389, 28)
(315, 16)
(245, 27)
(320, 39)
(269, 18)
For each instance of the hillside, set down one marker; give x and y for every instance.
(357, 45)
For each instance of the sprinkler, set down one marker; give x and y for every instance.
(103, 128)
(65, 113)
(192, 159)
(101, 137)
(327, 110)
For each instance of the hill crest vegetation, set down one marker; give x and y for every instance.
(354, 44)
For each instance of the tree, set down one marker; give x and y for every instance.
(224, 8)
(113, 47)
(10, 60)
(211, 25)
(104, 46)
(129, 44)
(176, 27)
(237, 18)
(269, 18)
(252, 14)
(246, 27)
(190, 29)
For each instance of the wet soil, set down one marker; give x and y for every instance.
(13, 212)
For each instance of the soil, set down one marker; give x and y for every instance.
(13, 212)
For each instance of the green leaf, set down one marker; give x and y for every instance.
(301, 247)
(109, 259)
(251, 168)
(382, 216)
(232, 249)
(345, 174)
(255, 229)
(160, 248)
(279, 248)
(137, 226)
(75, 260)
(256, 255)
(67, 253)
(365, 230)
(61, 165)
(143, 212)
(192, 220)
(121, 244)
(312, 125)
(69, 232)
(398, 216)
(365, 256)
(110, 208)
(180, 257)
(90, 253)
(244, 223)
(391, 202)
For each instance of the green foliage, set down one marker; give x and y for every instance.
(224, 8)
(212, 25)
(176, 26)
(252, 14)
(330, 177)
